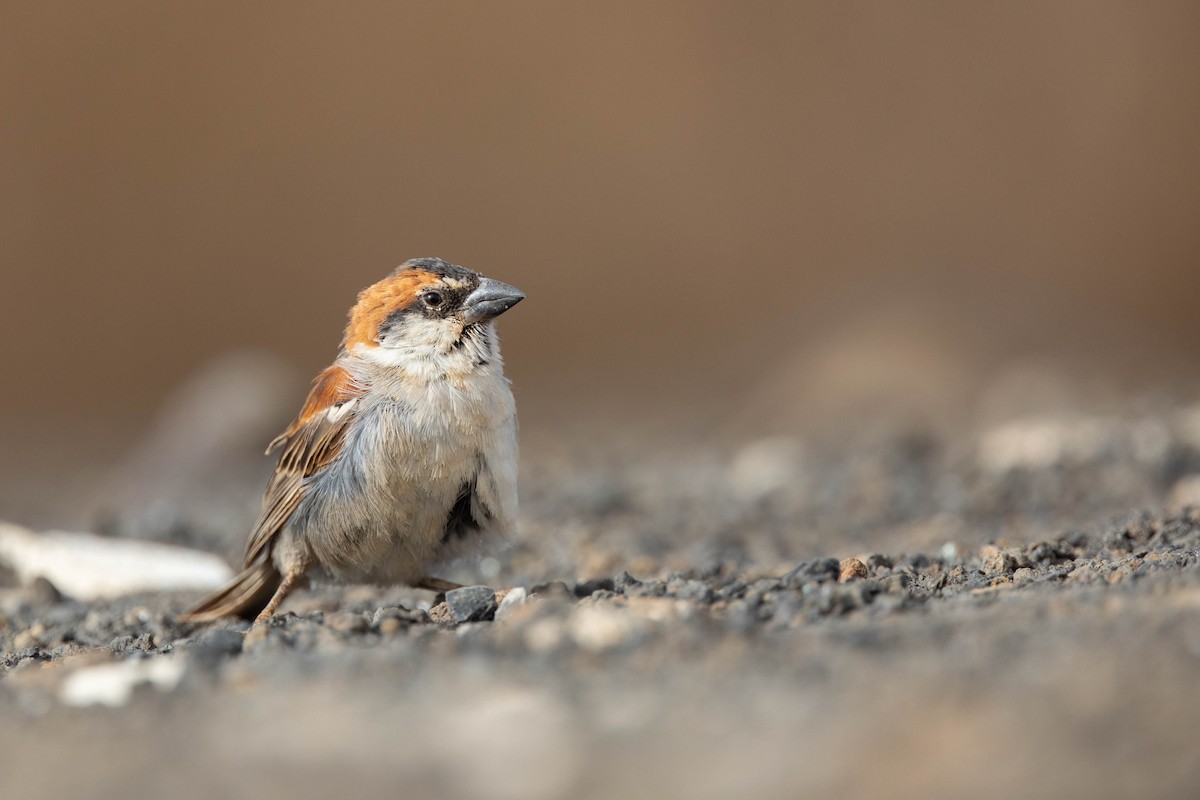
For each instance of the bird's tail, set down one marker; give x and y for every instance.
(245, 596)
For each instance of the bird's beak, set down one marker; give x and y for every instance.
(490, 300)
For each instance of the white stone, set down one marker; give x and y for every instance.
(515, 597)
(113, 684)
(87, 567)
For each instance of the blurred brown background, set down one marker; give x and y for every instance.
(705, 202)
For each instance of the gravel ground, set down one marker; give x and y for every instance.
(1010, 611)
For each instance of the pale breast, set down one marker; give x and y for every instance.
(380, 511)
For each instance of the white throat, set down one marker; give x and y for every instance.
(436, 357)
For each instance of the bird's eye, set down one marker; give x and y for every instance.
(433, 299)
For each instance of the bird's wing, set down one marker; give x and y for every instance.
(309, 444)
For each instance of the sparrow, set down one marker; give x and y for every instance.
(403, 456)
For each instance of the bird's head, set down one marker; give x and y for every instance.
(428, 308)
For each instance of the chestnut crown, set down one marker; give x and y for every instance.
(427, 302)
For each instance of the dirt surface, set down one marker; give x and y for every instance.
(860, 437)
(1013, 610)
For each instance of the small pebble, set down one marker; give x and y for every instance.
(440, 614)
(851, 568)
(588, 588)
(696, 591)
(513, 598)
(470, 604)
(819, 569)
(624, 581)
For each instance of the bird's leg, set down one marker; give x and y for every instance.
(437, 585)
(285, 586)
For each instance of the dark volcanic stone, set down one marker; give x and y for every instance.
(589, 588)
(471, 604)
(1079, 540)
(878, 561)
(1050, 552)
(697, 591)
(624, 581)
(841, 599)
(819, 569)
(630, 586)
(917, 561)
